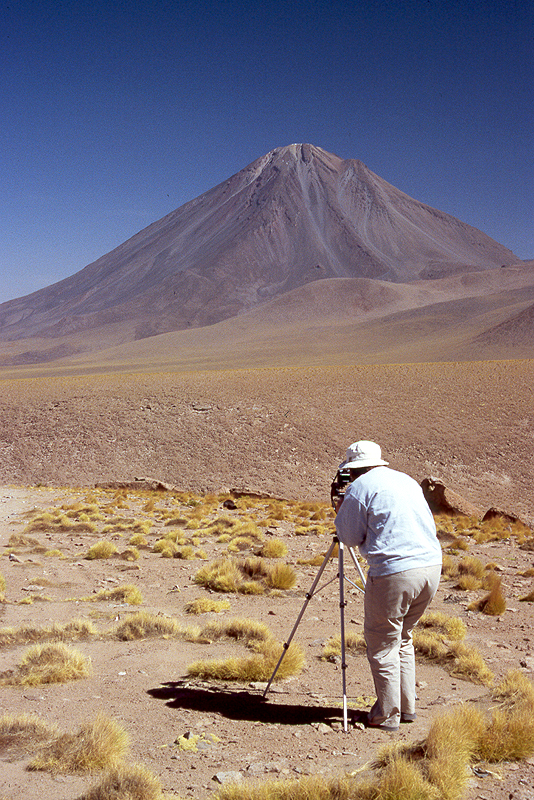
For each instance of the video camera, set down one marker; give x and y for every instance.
(339, 485)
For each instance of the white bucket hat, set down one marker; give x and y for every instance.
(363, 454)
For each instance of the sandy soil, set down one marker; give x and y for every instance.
(143, 684)
(281, 431)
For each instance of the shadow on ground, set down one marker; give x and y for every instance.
(243, 705)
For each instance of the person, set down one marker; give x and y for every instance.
(384, 513)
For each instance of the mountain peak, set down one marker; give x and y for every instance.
(294, 216)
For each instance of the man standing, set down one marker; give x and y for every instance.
(385, 514)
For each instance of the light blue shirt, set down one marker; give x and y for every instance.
(385, 514)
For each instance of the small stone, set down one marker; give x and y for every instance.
(323, 728)
(228, 777)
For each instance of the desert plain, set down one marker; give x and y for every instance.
(276, 432)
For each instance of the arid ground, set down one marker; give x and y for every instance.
(277, 431)
(143, 683)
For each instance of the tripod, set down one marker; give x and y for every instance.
(342, 603)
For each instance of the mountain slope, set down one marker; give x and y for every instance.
(292, 217)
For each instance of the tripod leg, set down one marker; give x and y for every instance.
(309, 596)
(342, 629)
(357, 565)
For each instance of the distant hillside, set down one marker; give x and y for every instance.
(296, 216)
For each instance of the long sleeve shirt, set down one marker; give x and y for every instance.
(384, 513)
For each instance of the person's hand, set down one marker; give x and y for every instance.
(339, 502)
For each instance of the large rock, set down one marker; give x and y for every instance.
(443, 500)
(505, 516)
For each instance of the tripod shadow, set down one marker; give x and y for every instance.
(242, 705)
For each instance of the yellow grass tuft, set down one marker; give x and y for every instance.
(205, 605)
(452, 627)
(354, 642)
(274, 548)
(26, 634)
(246, 630)
(493, 603)
(138, 540)
(24, 732)
(48, 663)
(144, 625)
(403, 780)
(126, 782)
(459, 659)
(130, 554)
(127, 593)
(258, 667)
(99, 744)
(222, 575)
(313, 787)
(102, 549)
(281, 576)
(528, 598)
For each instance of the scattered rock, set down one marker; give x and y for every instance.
(228, 777)
(505, 516)
(138, 484)
(322, 727)
(443, 500)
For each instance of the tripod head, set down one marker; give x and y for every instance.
(339, 485)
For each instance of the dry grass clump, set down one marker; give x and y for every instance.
(354, 643)
(313, 787)
(143, 625)
(281, 576)
(167, 547)
(23, 732)
(138, 540)
(126, 782)
(205, 605)
(453, 627)
(99, 744)
(273, 548)
(48, 663)
(493, 603)
(313, 561)
(258, 667)
(246, 630)
(74, 630)
(458, 658)
(221, 575)
(439, 638)
(140, 526)
(510, 734)
(102, 549)
(130, 554)
(528, 598)
(2, 583)
(463, 737)
(55, 521)
(249, 576)
(127, 593)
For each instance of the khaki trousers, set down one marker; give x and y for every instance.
(392, 606)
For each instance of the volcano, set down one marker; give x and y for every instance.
(293, 217)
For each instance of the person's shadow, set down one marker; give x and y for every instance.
(242, 704)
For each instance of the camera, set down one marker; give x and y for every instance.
(339, 485)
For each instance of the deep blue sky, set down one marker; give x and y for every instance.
(115, 113)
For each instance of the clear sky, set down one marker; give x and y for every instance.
(116, 112)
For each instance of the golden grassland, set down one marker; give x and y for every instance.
(249, 561)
